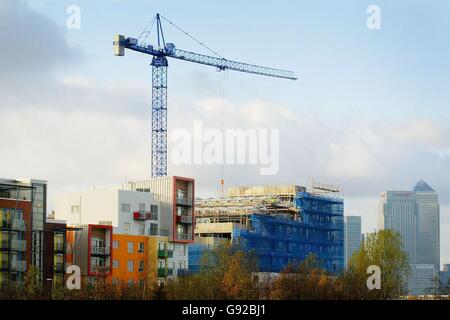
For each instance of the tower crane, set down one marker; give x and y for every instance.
(159, 64)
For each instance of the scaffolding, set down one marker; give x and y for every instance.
(281, 227)
(244, 201)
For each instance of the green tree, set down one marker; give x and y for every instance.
(307, 280)
(382, 249)
(227, 274)
(32, 286)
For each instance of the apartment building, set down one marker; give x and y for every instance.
(90, 247)
(16, 231)
(142, 260)
(176, 197)
(140, 228)
(55, 252)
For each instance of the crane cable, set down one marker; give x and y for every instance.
(192, 37)
(151, 25)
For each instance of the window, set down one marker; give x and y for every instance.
(115, 281)
(153, 230)
(130, 247)
(115, 264)
(154, 210)
(75, 209)
(141, 266)
(130, 282)
(115, 244)
(183, 250)
(141, 247)
(141, 229)
(126, 228)
(141, 207)
(125, 208)
(130, 266)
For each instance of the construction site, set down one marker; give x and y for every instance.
(281, 224)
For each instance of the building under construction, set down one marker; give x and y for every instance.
(282, 225)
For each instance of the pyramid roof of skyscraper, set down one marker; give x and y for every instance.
(422, 186)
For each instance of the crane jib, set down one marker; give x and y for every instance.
(220, 63)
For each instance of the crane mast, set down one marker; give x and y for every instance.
(159, 83)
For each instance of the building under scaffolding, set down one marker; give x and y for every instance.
(282, 225)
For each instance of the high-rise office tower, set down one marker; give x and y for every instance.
(352, 236)
(428, 247)
(415, 216)
(398, 212)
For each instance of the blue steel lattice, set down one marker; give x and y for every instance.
(159, 116)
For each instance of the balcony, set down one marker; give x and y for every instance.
(183, 272)
(18, 245)
(102, 251)
(158, 232)
(184, 201)
(4, 265)
(19, 266)
(59, 267)
(99, 269)
(184, 236)
(144, 216)
(58, 247)
(184, 219)
(5, 224)
(4, 244)
(18, 225)
(164, 272)
(163, 254)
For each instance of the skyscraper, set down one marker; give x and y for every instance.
(415, 216)
(428, 247)
(398, 212)
(352, 236)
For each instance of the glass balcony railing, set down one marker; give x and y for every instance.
(163, 254)
(58, 247)
(184, 236)
(18, 245)
(183, 272)
(185, 219)
(18, 225)
(143, 216)
(4, 244)
(165, 272)
(158, 232)
(4, 265)
(99, 269)
(59, 267)
(184, 201)
(100, 250)
(19, 266)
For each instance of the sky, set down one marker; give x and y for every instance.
(370, 112)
